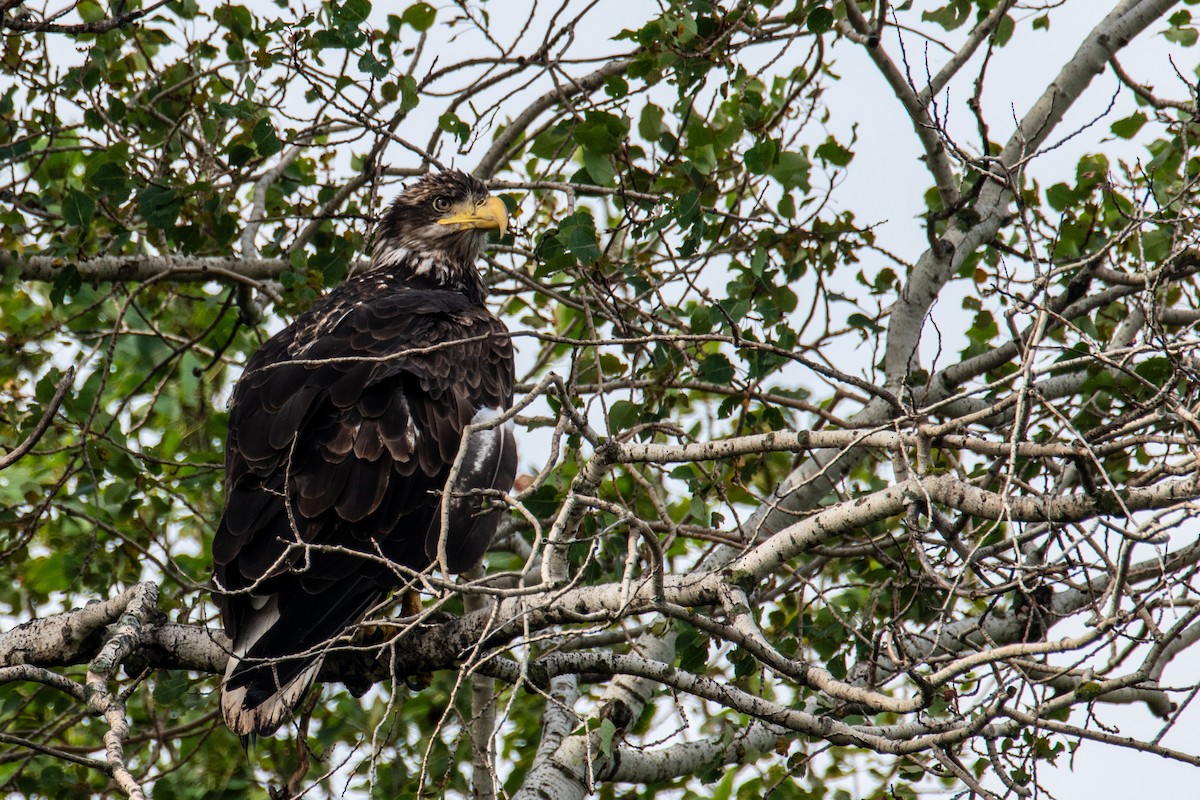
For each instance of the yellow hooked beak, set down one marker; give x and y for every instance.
(490, 215)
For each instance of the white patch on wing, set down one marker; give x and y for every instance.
(483, 446)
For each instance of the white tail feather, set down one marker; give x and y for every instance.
(270, 714)
(265, 717)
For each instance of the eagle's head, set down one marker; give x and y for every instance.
(437, 228)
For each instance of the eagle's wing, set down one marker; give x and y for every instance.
(354, 416)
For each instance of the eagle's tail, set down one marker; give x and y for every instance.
(258, 707)
(277, 653)
(260, 692)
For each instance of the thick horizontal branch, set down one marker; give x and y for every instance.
(797, 441)
(72, 637)
(946, 490)
(75, 636)
(140, 268)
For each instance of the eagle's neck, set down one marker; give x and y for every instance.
(432, 270)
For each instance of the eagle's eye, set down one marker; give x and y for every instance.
(441, 205)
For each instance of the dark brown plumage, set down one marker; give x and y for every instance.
(342, 434)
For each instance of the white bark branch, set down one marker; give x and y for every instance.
(141, 268)
(734, 746)
(102, 700)
(806, 485)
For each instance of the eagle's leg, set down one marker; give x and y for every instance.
(379, 632)
(374, 634)
(410, 604)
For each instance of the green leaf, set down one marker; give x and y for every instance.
(616, 87)
(691, 648)
(792, 170)
(550, 142)
(820, 20)
(239, 154)
(110, 180)
(46, 575)
(744, 664)
(862, 321)
(599, 167)
(170, 688)
(90, 11)
(787, 206)
(949, 16)
(607, 730)
(761, 157)
(1091, 169)
(332, 263)
(1127, 128)
(67, 282)
(622, 415)
(1186, 37)
(419, 16)
(354, 12)
(837, 666)
(650, 122)
(832, 152)
(984, 328)
(265, 140)
(78, 208)
(450, 123)
(409, 99)
(577, 234)
(371, 65)
(1004, 30)
(1060, 197)
(1156, 244)
(716, 369)
(236, 18)
(687, 209)
(601, 132)
(159, 206)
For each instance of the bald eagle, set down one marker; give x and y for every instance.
(343, 431)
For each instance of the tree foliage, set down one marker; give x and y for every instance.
(795, 507)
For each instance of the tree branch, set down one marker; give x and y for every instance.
(60, 391)
(803, 488)
(498, 152)
(22, 25)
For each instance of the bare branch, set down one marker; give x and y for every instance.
(60, 391)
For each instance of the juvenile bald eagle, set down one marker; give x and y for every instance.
(342, 434)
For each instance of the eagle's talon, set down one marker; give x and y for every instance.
(417, 683)
(433, 619)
